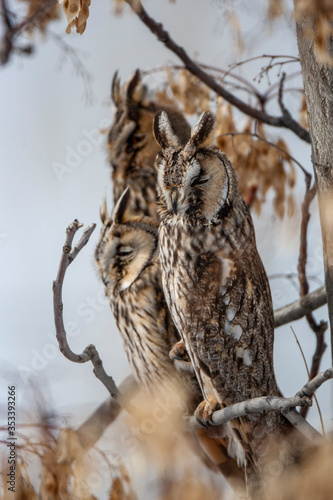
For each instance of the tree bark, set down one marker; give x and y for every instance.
(318, 85)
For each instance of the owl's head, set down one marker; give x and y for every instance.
(131, 136)
(128, 245)
(196, 177)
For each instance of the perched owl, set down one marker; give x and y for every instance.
(214, 281)
(127, 258)
(132, 145)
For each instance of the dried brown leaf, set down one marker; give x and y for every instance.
(260, 166)
(77, 13)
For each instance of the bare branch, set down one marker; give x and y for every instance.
(66, 259)
(300, 308)
(318, 328)
(273, 403)
(315, 383)
(90, 353)
(14, 30)
(93, 428)
(302, 425)
(164, 37)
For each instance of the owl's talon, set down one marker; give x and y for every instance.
(180, 358)
(205, 410)
(179, 352)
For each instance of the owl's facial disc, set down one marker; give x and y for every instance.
(180, 180)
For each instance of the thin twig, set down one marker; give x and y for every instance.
(292, 276)
(308, 372)
(251, 88)
(276, 85)
(265, 69)
(164, 37)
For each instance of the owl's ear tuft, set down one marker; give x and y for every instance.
(134, 89)
(103, 210)
(203, 133)
(164, 132)
(121, 206)
(115, 89)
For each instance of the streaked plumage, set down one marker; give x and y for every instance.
(215, 283)
(127, 260)
(132, 145)
(127, 257)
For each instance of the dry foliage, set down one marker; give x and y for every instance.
(61, 469)
(260, 166)
(45, 15)
(162, 463)
(189, 91)
(51, 463)
(77, 13)
(119, 5)
(276, 8)
(313, 481)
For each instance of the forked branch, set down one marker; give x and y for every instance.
(90, 353)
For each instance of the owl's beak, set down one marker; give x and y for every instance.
(174, 202)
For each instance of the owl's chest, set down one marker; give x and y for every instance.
(146, 344)
(190, 265)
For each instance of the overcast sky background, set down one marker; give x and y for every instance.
(44, 116)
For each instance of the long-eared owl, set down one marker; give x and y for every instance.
(131, 144)
(214, 281)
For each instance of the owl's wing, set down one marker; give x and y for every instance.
(219, 281)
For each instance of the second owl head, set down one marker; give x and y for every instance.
(128, 244)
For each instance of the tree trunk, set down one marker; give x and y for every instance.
(318, 86)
